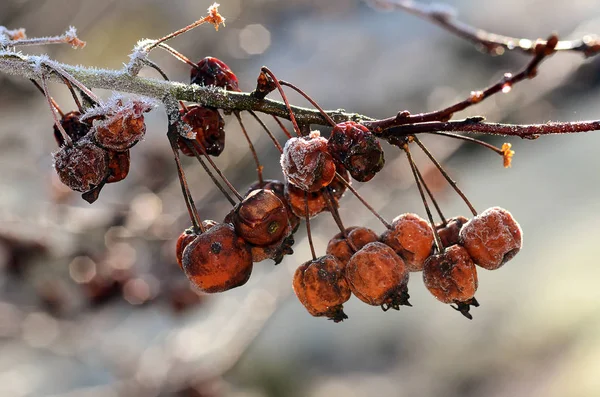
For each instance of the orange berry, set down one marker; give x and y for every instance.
(343, 248)
(186, 238)
(278, 188)
(296, 200)
(321, 287)
(122, 126)
(492, 238)
(81, 167)
(449, 233)
(412, 238)
(378, 276)
(218, 260)
(275, 251)
(306, 163)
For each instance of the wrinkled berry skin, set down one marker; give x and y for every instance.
(307, 164)
(357, 149)
(357, 237)
(81, 167)
(449, 234)
(261, 218)
(217, 260)
(321, 287)
(378, 276)
(122, 128)
(208, 124)
(412, 238)
(212, 71)
(74, 128)
(492, 238)
(278, 188)
(118, 166)
(451, 276)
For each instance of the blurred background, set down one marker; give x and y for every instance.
(92, 302)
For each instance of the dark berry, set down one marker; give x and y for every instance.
(74, 128)
(211, 71)
(412, 238)
(82, 166)
(208, 124)
(186, 238)
(297, 201)
(118, 166)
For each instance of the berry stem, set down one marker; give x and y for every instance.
(267, 130)
(413, 167)
(445, 174)
(157, 68)
(52, 99)
(328, 195)
(430, 194)
(187, 196)
(259, 168)
(285, 131)
(469, 139)
(178, 55)
(308, 233)
(362, 200)
(309, 99)
(51, 103)
(74, 95)
(287, 103)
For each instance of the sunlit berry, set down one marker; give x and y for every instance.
(208, 124)
(412, 238)
(297, 199)
(218, 260)
(449, 234)
(357, 149)
(321, 287)
(81, 167)
(378, 276)
(306, 163)
(212, 71)
(492, 238)
(344, 247)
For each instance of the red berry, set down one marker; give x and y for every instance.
(261, 218)
(297, 201)
(218, 260)
(186, 238)
(412, 238)
(321, 287)
(211, 71)
(74, 128)
(357, 149)
(123, 125)
(81, 167)
(343, 248)
(378, 276)
(118, 166)
(307, 164)
(492, 238)
(278, 188)
(449, 233)
(208, 125)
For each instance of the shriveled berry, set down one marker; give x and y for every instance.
(212, 71)
(74, 128)
(208, 124)
(123, 125)
(452, 278)
(296, 199)
(492, 238)
(358, 149)
(343, 248)
(278, 188)
(218, 260)
(321, 287)
(261, 218)
(412, 238)
(378, 276)
(187, 237)
(275, 251)
(82, 166)
(118, 166)
(306, 163)
(449, 234)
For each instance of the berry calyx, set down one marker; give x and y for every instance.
(307, 164)
(344, 247)
(81, 167)
(321, 287)
(357, 149)
(492, 238)
(378, 276)
(275, 251)
(212, 71)
(449, 234)
(208, 124)
(412, 238)
(218, 260)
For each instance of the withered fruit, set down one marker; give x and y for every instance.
(118, 166)
(378, 276)
(81, 167)
(449, 234)
(212, 71)
(187, 237)
(278, 188)
(122, 126)
(208, 124)
(306, 163)
(412, 238)
(297, 198)
(321, 287)
(492, 238)
(261, 218)
(74, 128)
(344, 247)
(357, 149)
(218, 260)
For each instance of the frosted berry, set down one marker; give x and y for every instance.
(343, 248)
(492, 238)
(122, 126)
(82, 166)
(412, 238)
(452, 278)
(218, 260)
(321, 287)
(261, 218)
(307, 164)
(74, 128)
(211, 71)
(118, 166)
(378, 276)
(449, 233)
(278, 188)
(208, 124)
(357, 149)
